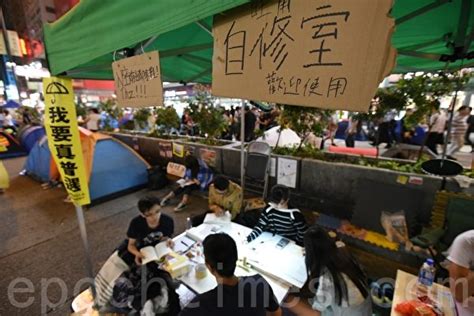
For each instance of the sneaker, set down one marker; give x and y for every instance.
(180, 207)
(164, 202)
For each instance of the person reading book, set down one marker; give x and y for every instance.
(224, 195)
(147, 229)
(250, 295)
(187, 184)
(279, 219)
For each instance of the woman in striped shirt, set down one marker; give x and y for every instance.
(279, 219)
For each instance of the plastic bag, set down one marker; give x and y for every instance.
(415, 308)
(395, 226)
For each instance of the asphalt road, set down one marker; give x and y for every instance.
(41, 253)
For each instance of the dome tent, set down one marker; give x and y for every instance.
(111, 166)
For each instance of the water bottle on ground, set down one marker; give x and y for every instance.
(426, 278)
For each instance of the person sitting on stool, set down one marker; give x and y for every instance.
(224, 195)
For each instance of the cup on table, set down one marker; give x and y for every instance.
(200, 271)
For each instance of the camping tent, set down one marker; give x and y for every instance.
(10, 147)
(111, 166)
(29, 135)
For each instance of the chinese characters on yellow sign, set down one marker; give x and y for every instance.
(138, 81)
(321, 53)
(63, 137)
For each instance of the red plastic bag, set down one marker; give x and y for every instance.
(414, 308)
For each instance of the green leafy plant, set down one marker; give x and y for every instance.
(209, 118)
(141, 117)
(166, 120)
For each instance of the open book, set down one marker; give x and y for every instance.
(212, 218)
(183, 182)
(155, 253)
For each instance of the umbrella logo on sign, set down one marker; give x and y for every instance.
(56, 88)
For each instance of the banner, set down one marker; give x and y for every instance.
(60, 122)
(320, 53)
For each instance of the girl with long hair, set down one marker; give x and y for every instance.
(340, 284)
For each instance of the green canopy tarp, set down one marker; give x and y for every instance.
(82, 43)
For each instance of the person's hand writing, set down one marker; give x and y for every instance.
(219, 211)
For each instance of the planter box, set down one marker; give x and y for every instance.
(338, 182)
(327, 187)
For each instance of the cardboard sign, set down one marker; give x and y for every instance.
(320, 53)
(60, 122)
(176, 169)
(138, 81)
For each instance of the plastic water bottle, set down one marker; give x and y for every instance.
(189, 225)
(426, 278)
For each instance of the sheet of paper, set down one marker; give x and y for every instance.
(212, 218)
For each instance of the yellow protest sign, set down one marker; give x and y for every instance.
(63, 137)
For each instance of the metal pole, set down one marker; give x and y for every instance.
(82, 228)
(242, 148)
(450, 123)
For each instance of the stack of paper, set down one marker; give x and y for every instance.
(200, 232)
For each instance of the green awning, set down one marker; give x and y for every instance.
(82, 43)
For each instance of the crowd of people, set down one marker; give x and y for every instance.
(435, 127)
(255, 120)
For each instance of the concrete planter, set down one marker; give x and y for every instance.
(337, 182)
(328, 187)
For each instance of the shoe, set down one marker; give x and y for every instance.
(164, 202)
(180, 207)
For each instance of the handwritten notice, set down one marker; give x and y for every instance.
(138, 81)
(320, 53)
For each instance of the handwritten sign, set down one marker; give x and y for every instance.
(60, 122)
(138, 81)
(319, 53)
(176, 169)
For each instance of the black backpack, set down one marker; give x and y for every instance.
(157, 178)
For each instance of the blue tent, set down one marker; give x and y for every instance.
(30, 135)
(115, 167)
(11, 105)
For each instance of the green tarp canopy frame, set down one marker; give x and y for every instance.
(430, 35)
